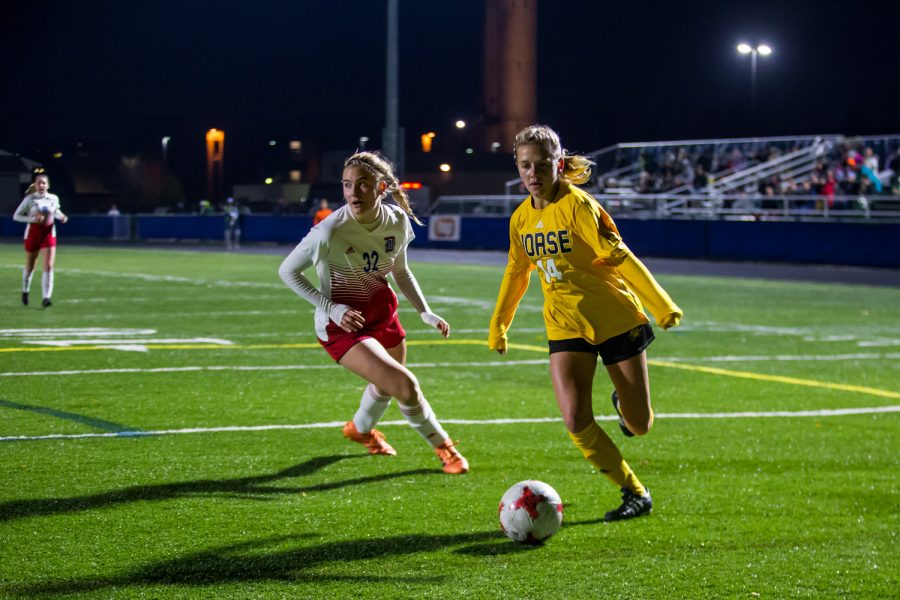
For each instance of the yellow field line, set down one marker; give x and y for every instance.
(778, 379)
(470, 342)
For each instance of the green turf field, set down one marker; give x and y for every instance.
(171, 429)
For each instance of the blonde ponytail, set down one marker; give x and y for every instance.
(576, 168)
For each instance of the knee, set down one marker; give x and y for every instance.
(406, 390)
(641, 428)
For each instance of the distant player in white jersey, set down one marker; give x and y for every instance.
(354, 250)
(40, 210)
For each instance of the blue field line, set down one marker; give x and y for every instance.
(134, 433)
(116, 428)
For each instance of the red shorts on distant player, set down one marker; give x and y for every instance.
(340, 341)
(39, 236)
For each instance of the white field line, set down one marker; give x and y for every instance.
(498, 363)
(130, 341)
(335, 424)
(84, 332)
(424, 365)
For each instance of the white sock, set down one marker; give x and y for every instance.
(47, 283)
(371, 407)
(26, 279)
(422, 419)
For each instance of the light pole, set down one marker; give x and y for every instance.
(759, 49)
(165, 151)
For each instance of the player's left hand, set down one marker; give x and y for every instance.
(438, 323)
(671, 320)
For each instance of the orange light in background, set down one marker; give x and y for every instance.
(411, 185)
(427, 139)
(215, 155)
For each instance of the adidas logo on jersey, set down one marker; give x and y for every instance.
(540, 224)
(349, 250)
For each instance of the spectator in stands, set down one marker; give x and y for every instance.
(770, 200)
(820, 170)
(868, 170)
(591, 282)
(893, 163)
(870, 159)
(686, 169)
(701, 179)
(113, 211)
(40, 210)
(323, 211)
(829, 187)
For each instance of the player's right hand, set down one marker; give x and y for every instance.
(346, 318)
(500, 344)
(352, 321)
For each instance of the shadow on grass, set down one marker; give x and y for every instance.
(269, 560)
(252, 488)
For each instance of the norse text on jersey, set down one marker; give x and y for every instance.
(542, 244)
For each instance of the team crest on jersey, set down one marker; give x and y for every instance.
(389, 243)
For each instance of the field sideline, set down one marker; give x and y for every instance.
(170, 428)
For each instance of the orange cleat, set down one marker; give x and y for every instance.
(373, 441)
(454, 462)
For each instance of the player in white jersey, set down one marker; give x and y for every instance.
(354, 250)
(40, 210)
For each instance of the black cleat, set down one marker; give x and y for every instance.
(46, 302)
(25, 298)
(632, 506)
(625, 431)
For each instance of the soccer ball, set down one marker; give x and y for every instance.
(530, 512)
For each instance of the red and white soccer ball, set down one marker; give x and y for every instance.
(530, 512)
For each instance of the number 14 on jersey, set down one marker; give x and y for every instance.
(549, 270)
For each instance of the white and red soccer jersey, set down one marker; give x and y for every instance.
(39, 234)
(353, 261)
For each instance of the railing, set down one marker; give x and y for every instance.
(620, 161)
(701, 206)
(805, 157)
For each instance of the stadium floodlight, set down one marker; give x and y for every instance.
(760, 49)
(165, 150)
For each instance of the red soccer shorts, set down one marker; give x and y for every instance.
(340, 341)
(39, 236)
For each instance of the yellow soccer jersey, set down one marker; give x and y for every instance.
(575, 247)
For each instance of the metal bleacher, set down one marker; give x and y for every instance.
(627, 180)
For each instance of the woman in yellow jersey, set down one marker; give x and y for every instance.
(594, 293)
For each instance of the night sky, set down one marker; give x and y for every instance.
(120, 75)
